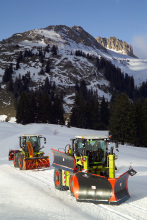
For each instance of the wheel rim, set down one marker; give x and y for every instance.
(57, 178)
(71, 184)
(20, 162)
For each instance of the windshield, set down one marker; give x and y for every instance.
(95, 145)
(96, 149)
(35, 142)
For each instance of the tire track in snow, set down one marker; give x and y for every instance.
(64, 209)
(43, 210)
(124, 216)
(138, 207)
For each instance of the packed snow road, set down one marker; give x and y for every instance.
(26, 196)
(31, 194)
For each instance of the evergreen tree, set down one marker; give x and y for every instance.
(54, 50)
(145, 123)
(47, 86)
(47, 48)
(19, 58)
(44, 109)
(24, 109)
(8, 74)
(121, 122)
(78, 112)
(139, 124)
(47, 69)
(41, 72)
(89, 113)
(18, 87)
(10, 85)
(97, 119)
(104, 114)
(58, 111)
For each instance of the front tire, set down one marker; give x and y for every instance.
(20, 161)
(58, 180)
(71, 185)
(16, 164)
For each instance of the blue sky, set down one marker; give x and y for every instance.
(124, 19)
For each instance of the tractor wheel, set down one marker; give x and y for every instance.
(71, 184)
(16, 159)
(58, 180)
(20, 161)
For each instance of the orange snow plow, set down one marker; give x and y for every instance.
(87, 168)
(30, 155)
(99, 189)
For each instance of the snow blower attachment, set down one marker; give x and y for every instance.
(30, 155)
(87, 168)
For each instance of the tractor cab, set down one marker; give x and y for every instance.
(34, 140)
(94, 147)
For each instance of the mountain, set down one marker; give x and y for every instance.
(65, 55)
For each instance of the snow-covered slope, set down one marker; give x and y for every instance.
(31, 194)
(132, 66)
(66, 68)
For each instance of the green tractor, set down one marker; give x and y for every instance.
(30, 155)
(87, 168)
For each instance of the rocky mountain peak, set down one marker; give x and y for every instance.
(76, 34)
(119, 46)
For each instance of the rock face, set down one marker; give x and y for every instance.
(116, 44)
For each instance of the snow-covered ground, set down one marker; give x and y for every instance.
(31, 194)
(4, 118)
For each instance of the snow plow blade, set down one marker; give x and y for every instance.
(63, 161)
(98, 189)
(35, 162)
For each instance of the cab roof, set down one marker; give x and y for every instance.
(31, 135)
(93, 137)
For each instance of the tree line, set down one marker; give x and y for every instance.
(126, 120)
(39, 107)
(87, 111)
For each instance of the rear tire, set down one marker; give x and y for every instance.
(58, 180)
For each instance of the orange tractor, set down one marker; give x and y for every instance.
(30, 155)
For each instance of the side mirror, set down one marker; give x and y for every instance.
(44, 140)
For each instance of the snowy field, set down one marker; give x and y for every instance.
(31, 194)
